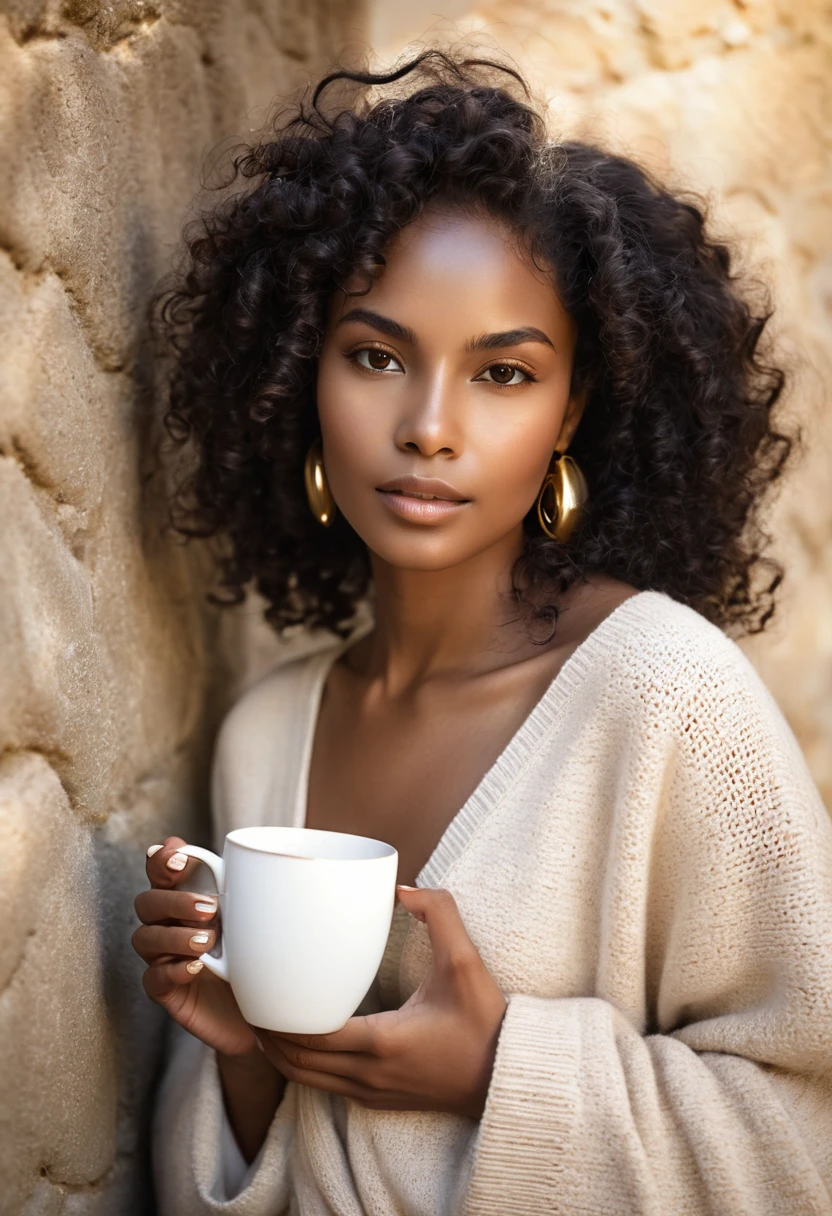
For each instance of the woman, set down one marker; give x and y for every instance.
(608, 982)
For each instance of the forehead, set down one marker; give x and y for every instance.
(450, 270)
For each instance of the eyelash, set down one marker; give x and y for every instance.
(353, 358)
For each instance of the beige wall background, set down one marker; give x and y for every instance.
(112, 670)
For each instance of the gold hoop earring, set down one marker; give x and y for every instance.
(565, 486)
(318, 493)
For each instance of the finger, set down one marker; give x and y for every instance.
(358, 1034)
(332, 1082)
(166, 867)
(352, 1064)
(155, 907)
(451, 945)
(162, 980)
(153, 942)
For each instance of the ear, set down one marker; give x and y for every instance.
(574, 412)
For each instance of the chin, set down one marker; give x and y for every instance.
(422, 547)
(418, 553)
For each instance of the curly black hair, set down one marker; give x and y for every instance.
(677, 440)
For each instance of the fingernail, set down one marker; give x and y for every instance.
(199, 940)
(402, 887)
(195, 966)
(177, 862)
(154, 848)
(205, 906)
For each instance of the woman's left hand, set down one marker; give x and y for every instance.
(434, 1053)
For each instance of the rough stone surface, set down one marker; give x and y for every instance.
(734, 99)
(113, 671)
(53, 1013)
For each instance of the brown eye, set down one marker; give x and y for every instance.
(503, 373)
(376, 360)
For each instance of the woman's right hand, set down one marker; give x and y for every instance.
(193, 996)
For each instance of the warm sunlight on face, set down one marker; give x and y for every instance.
(442, 393)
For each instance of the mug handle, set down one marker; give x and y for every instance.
(216, 963)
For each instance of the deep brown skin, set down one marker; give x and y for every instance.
(415, 713)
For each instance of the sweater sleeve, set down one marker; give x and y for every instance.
(191, 1174)
(236, 1171)
(718, 1100)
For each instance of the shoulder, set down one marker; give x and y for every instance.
(679, 676)
(670, 656)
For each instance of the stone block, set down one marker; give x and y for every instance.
(58, 1116)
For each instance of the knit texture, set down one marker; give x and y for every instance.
(646, 871)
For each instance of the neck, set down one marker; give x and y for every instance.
(433, 622)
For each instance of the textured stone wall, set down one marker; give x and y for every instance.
(111, 675)
(734, 98)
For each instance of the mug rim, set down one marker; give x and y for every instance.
(232, 838)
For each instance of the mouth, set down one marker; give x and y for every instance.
(422, 499)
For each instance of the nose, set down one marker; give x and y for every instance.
(430, 425)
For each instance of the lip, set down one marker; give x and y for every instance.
(399, 494)
(422, 485)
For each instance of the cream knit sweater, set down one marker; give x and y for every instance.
(647, 873)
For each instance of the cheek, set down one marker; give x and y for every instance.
(350, 430)
(514, 460)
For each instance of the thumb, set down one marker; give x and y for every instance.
(437, 909)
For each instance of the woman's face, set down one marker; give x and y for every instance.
(450, 379)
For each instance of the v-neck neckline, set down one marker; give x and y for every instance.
(508, 765)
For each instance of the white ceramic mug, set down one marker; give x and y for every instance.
(305, 919)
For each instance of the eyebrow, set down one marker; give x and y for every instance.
(385, 325)
(509, 337)
(393, 329)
